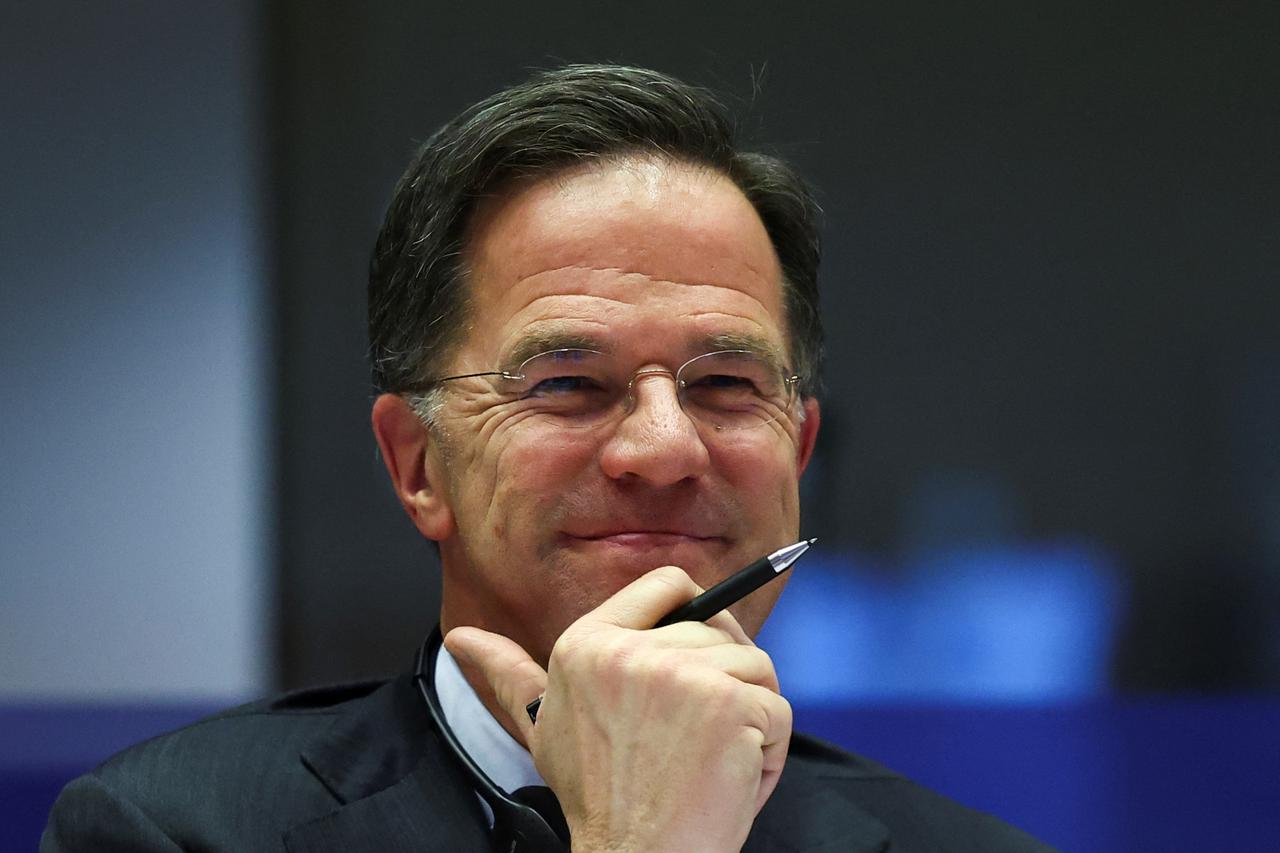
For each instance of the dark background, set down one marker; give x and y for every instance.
(1052, 236)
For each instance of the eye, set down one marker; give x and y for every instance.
(724, 382)
(552, 386)
(564, 377)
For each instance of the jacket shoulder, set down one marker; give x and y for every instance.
(231, 779)
(917, 818)
(255, 739)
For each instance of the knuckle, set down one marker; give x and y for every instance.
(615, 652)
(770, 714)
(760, 659)
(783, 713)
(723, 696)
(672, 576)
(564, 649)
(666, 673)
(750, 737)
(777, 719)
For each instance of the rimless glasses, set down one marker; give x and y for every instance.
(581, 388)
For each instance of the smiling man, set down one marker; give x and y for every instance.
(547, 497)
(594, 325)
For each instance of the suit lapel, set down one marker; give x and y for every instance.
(397, 788)
(425, 811)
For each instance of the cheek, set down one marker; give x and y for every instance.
(533, 471)
(762, 459)
(763, 477)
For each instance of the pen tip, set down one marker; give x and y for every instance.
(814, 539)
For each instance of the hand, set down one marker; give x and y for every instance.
(652, 739)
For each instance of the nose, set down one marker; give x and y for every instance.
(655, 441)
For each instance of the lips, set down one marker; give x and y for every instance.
(680, 545)
(627, 533)
(648, 539)
(656, 532)
(685, 523)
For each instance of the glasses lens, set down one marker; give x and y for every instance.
(733, 390)
(571, 384)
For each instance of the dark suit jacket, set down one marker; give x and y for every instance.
(359, 768)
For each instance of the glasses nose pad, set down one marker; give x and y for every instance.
(640, 374)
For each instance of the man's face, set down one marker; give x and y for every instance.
(650, 261)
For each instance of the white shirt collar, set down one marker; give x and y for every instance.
(498, 754)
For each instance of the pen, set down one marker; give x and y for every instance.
(737, 586)
(728, 592)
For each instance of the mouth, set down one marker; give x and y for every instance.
(618, 557)
(645, 538)
(682, 540)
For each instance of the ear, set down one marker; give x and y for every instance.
(808, 434)
(406, 446)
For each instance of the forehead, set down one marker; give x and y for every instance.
(664, 250)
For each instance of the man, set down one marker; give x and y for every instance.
(595, 326)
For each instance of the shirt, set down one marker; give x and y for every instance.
(497, 753)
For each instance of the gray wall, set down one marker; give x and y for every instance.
(133, 548)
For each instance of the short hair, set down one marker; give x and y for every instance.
(556, 120)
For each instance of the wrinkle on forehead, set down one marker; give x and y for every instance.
(526, 275)
(522, 275)
(622, 215)
(625, 243)
(622, 286)
(562, 314)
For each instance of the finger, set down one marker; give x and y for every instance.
(516, 679)
(727, 622)
(769, 713)
(775, 740)
(748, 664)
(775, 757)
(690, 635)
(641, 603)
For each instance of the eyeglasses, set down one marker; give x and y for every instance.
(581, 388)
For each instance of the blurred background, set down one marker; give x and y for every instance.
(1047, 487)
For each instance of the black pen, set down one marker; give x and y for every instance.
(725, 594)
(737, 586)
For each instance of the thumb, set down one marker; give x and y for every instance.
(513, 676)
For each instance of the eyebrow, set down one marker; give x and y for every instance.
(536, 343)
(539, 342)
(750, 343)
